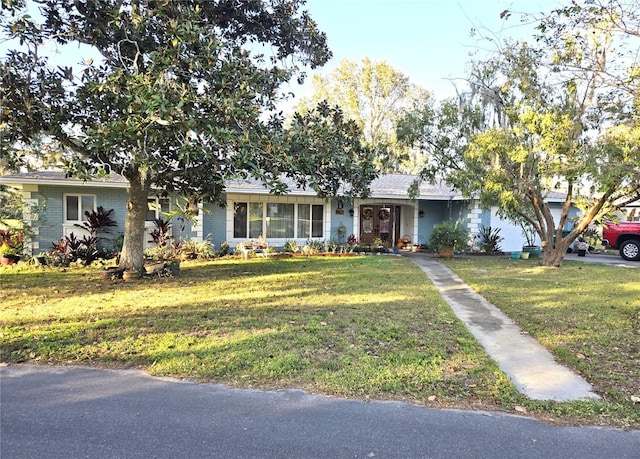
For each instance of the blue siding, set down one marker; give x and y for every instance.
(214, 224)
(340, 220)
(485, 218)
(50, 224)
(434, 212)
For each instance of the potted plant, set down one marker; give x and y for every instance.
(10, 247)
(529, 232)
(448, 236)
(40, 259)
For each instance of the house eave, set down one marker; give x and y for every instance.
(19, 182)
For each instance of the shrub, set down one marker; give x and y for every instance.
(449, 234)
(290, 247)
(224, 249)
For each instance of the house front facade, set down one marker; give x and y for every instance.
(54, 207)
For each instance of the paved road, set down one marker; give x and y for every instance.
(72, 412)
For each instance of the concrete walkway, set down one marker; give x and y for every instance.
(526, 362)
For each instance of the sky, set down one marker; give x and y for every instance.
(427, 40)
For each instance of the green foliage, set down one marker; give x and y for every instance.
(168, 94)
(449, 234)
(224, 249)
(312, 246)
(331, 246)
(489, 239)
(191, 249)
(290, 247)
(544, 116)
(326, 150)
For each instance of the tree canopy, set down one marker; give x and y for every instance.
(174, 95)
(557, 114)
(375, 96)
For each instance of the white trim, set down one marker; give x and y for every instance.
(271, 199)
(62, 182)
(80, 213)
(158, 206)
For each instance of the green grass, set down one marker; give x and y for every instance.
(587, 315)
(365, 327)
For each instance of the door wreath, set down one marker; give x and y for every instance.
(383, 214)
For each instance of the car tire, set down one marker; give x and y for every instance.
(630, 250)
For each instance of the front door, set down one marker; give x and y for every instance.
(377, 222)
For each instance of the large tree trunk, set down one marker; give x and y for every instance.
(132, 256)
(553, 257)
(555, 253)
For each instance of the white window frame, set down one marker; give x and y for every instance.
(149, 225)
(158, 207)
(248, 201)
(80, 212)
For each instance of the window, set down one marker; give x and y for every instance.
(75, 206)
(310, 220)
(255, 219)
(240, 219)
(277, 220)
(157, 208)
(280, 221)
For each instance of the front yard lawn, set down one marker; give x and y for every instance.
(367, 327)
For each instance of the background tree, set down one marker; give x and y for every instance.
(375, 96)
(555, 116)
(173, 98)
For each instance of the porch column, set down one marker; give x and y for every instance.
(416, 223)
(30, 218)
(356, 218)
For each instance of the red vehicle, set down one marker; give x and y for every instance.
(625, 237)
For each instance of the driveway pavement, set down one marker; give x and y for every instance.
(77, 412)
(614, 260)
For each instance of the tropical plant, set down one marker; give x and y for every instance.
(224, 249)
(331, 246)
(197, 249)
(71, 249)
(489, 239)
(97, 223)
(290, 247)
(11, 242)
(161, 234)
(312, 246)
(449, 234)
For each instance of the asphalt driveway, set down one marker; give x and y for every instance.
(614, 260)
